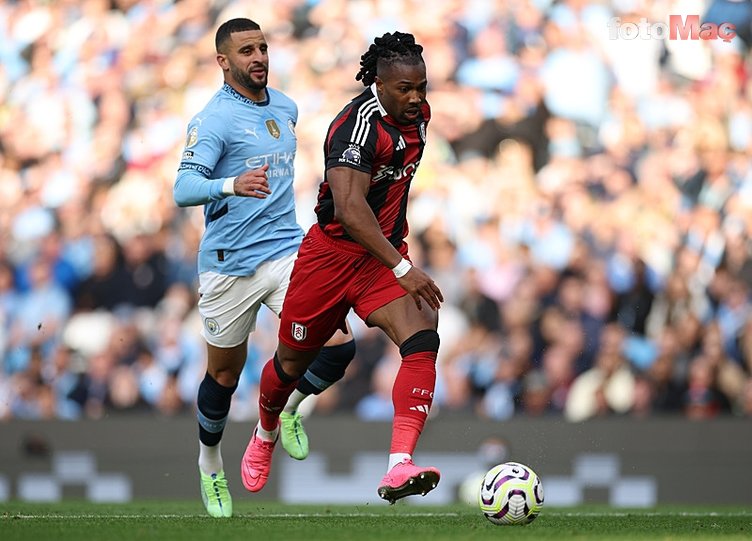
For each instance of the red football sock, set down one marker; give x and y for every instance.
(412, 395)
(273, 395)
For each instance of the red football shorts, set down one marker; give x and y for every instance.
(331, 276)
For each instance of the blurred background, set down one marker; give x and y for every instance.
(584, 203)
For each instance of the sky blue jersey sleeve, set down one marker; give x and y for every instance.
(204, 147)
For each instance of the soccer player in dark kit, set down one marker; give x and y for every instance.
(356, 257)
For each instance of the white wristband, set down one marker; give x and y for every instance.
(402, 268)
(228, 186)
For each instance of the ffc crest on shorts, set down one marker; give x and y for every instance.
(299, 332)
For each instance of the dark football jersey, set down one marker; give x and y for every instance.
(364, 137)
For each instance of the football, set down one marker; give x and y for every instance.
(511, 494)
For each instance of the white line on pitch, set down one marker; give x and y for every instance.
(251, 516)
(377, 515)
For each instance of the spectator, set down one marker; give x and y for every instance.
(107, 286)
(606, 388)
(39, 317)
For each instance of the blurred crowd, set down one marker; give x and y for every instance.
(584, 203)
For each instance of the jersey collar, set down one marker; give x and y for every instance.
(238, 96)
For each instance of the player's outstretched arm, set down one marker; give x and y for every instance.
(193, 188)
(349, 188)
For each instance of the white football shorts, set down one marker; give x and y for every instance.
(229, 305)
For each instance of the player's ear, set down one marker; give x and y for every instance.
(222, 61)
(379, 84)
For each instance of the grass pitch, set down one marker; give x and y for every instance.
(256, 521)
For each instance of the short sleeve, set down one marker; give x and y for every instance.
(351, 142)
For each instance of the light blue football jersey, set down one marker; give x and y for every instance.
(229, 136)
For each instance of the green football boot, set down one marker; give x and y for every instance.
(216, 495)
(294, 438)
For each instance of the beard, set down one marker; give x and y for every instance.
(246, 81)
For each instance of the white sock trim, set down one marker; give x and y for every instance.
(210, 458)
(293, 403)
(396, 458)
(265, 434)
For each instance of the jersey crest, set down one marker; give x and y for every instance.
(271, 125)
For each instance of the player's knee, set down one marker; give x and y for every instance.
(226, 378)
(226, 365)
(287, 370)
(291, 364)
(425, 340)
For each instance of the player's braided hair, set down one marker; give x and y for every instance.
(389, 48)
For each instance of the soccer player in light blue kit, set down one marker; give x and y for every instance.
(238, 163)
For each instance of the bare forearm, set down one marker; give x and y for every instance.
(360, 223)
(356, 217)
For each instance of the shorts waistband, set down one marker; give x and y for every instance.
(340, 245)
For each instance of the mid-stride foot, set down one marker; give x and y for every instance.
(256, 463)
(407, 479)
(292, 434)
(216, 495)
